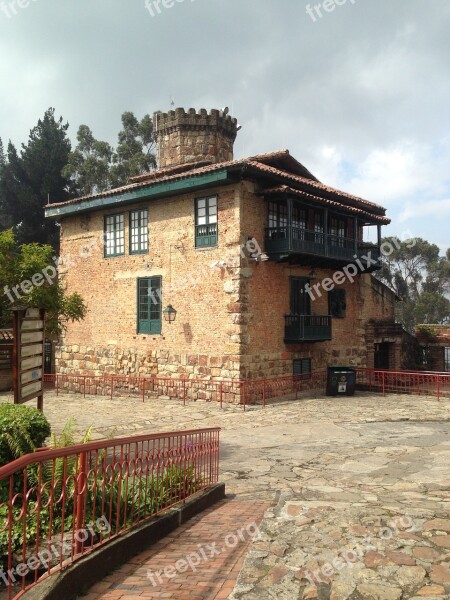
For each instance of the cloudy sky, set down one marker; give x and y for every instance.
(360, 94)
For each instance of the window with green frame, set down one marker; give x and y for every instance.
(337, 303)
(139, 231)
(302, 368)
(114, 234)
(206, 222)
(149, 305)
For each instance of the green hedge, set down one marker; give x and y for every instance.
(22, 430)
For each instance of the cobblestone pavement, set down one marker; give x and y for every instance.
(359, 489)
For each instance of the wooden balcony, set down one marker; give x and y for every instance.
(205, 235)
(307, 328)
(288, 242)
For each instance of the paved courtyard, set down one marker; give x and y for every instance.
(357, 490)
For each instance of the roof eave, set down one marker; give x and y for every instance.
(152, 191)
(348, 208)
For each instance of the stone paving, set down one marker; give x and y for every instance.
(358, 488)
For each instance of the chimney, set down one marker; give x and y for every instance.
(187, 137)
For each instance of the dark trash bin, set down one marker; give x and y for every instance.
(341, 381)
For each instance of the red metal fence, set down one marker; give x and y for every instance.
(58, 505)
(252, 391)
(260, 391)
(247, 392)
(228, 391)
(420, 383)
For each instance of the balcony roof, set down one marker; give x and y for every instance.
(290, 191)
(269, 170)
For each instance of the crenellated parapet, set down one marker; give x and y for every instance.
(194, 136)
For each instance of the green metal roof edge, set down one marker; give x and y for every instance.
(157, 190)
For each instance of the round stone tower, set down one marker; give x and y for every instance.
(189, 137)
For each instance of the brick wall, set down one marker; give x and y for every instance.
(435, 338)
(205, 338)
(264, 301)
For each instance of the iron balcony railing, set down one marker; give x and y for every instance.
(295, 240)
(307, 328)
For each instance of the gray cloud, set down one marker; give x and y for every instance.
(360, 96)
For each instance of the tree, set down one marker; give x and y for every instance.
(28, 277)
(94, 166)
(421, 277)
(134, 154)
(89, 164)
(2, 155)
(33, 178)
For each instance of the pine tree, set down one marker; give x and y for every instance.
(32, 179)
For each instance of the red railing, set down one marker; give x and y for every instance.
(57, 505)
(404, 382)
(246, 392)
(228, 391)
(260, 391)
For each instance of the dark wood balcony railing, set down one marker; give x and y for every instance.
(206, 235)
(294, 240)
(307, 328)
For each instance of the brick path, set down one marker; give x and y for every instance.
(214, 578)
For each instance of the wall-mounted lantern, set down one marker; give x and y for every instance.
(169, 314)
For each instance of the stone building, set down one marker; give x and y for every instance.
(266, 267)
(434, 341)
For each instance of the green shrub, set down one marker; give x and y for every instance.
(22, 430)
(140, 497)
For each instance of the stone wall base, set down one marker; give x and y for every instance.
(280, 364)
(112, 360)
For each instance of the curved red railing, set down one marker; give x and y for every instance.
(57, 505)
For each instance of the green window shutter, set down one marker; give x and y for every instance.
(302, 366)
(149, 305)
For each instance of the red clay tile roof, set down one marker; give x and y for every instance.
(284, 189)
(6, 336)
(169, 171)
(260, 165)
(159, 176)
(317, 185)
(440, 334)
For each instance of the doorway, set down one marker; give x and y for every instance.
(382, 352)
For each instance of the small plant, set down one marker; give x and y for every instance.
(22, 430)
(62, 469)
